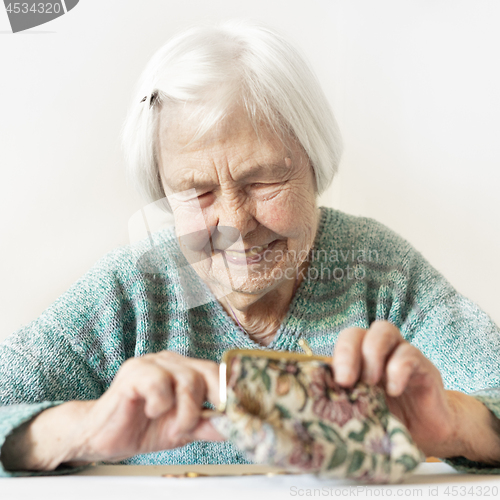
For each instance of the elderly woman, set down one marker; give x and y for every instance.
(232, 130)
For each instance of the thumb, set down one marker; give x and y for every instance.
(206, 431)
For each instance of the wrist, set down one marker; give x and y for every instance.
(46, 441)
(476, 431)
(72, 440)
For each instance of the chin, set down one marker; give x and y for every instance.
(243, 299)
(256, 285)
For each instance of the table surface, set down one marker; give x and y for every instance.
(239, 482)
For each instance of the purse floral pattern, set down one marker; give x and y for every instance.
(291, 413)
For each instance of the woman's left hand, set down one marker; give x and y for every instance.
(442, 423)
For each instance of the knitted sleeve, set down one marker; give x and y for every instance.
(464, 343)
(460, 339)
(71, 352)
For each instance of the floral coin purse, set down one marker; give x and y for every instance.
(285, 409)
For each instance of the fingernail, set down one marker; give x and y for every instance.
(369, 376)
(342, 373)
(392, 388)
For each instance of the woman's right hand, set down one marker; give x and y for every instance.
(154, 403)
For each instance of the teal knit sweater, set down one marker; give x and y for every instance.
(131, 303)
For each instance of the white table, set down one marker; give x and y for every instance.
(107, 482)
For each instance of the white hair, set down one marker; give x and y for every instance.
(216, 67)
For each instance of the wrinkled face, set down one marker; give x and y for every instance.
(244, 205)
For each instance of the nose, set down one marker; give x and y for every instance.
(224, 236)
(234, 219)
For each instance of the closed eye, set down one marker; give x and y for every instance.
(264, 185)
(266, 191)
(206, 199)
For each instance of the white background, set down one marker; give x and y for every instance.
(414, 85)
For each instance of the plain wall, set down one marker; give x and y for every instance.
(414, 85)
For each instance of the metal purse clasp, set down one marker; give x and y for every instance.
(228, 356)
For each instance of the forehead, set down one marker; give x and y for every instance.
(234, 147)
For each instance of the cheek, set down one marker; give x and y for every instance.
(188, 219)
(292, 216)
(273, 215)
(191, 232)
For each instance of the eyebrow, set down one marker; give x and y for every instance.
(192, 183)
(275, 170)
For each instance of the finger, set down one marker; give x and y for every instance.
(205, 431)
(190, 393)
(195, 380)
(190, 399)
(210, 372)
(155, 386)
(208, 369)
(380, 341)
(347, 356)
(405, 362)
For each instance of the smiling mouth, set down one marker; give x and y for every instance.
(248, 256)
(249, 252)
